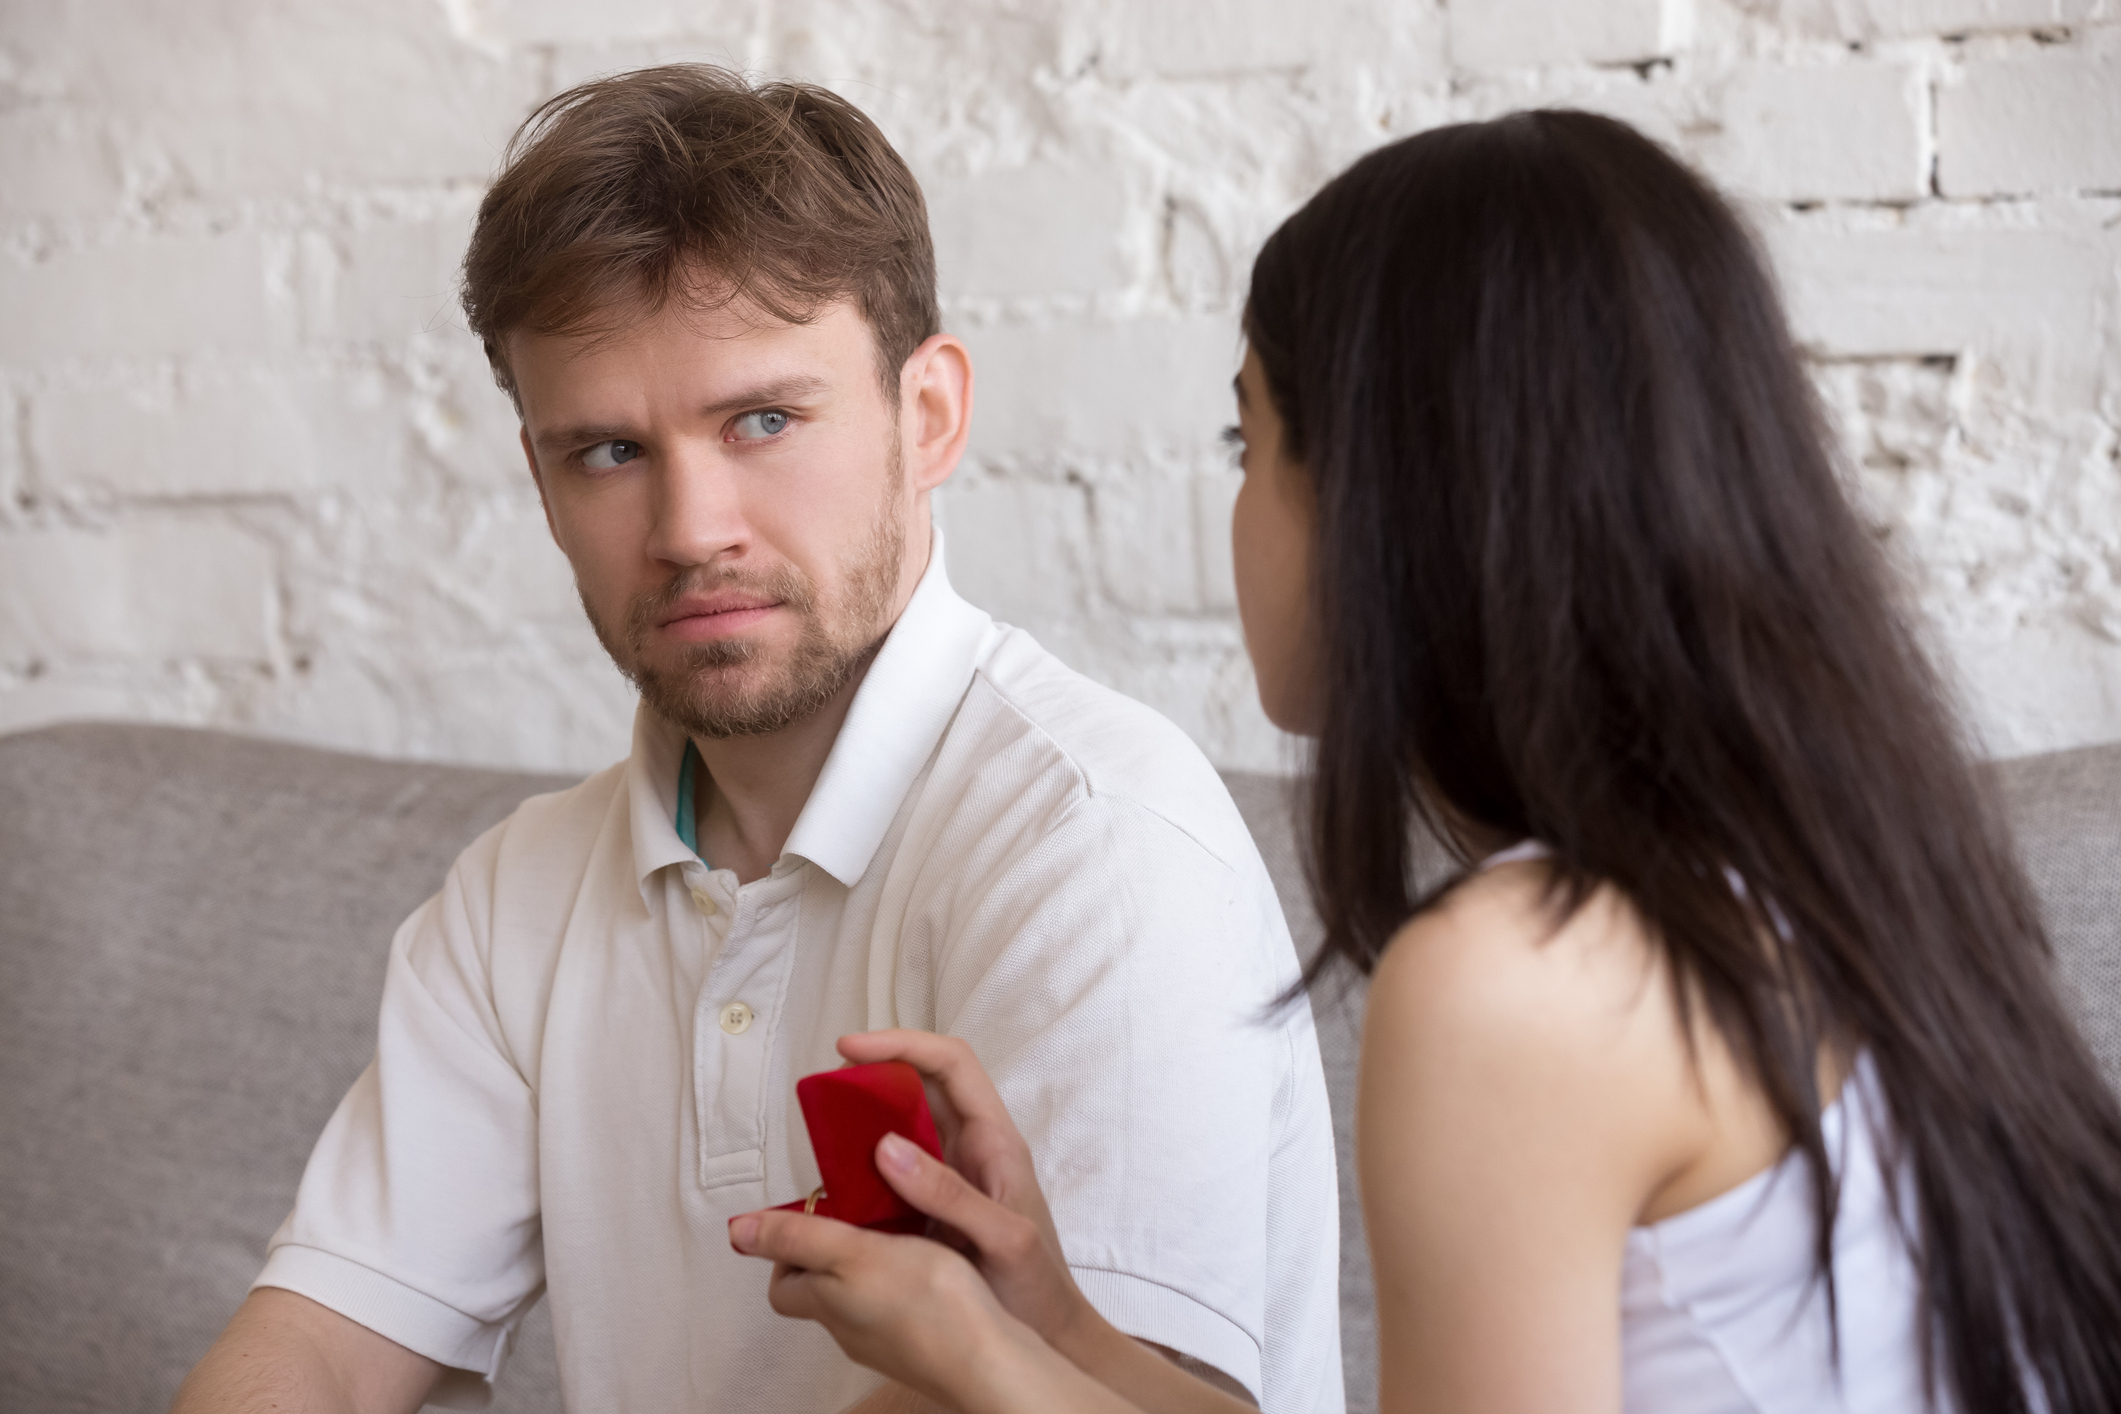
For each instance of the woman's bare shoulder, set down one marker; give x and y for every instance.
(1504, 950)
(1518, 1103)
(1544, 1020)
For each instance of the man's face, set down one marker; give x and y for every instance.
(731, 493)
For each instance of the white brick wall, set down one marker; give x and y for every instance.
(2019, 119)
(254, 473)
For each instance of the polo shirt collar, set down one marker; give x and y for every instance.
(899, 713)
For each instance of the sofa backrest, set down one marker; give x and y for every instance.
(191, 951)
(193, 930)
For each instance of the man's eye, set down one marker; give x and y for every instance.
(755, 426)
(606, 455)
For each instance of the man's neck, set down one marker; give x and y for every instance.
(754, 787)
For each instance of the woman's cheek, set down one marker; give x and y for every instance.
(1270, 554)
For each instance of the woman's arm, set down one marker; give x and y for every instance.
(1524, 1091)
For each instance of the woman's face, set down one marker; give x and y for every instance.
(1271, 534)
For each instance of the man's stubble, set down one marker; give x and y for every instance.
(703, 693)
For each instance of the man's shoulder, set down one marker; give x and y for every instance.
(545, 833)
(1031, 724)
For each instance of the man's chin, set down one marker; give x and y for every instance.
(746, 699)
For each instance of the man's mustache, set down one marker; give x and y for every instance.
(786, 584)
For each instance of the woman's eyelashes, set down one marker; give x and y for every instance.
(1233, 440)
(606, 455)
(758, 426)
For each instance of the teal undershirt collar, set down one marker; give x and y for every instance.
(688, 771)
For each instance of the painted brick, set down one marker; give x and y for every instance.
(507, 23)
(1214, 497)
(13, 471)
(2033, 686)
(959, 65)
(470, 708)
(384, 282)
(266, 97)
(162, 295)
(1875, 19)
(58, 167)
(1214, 37)
(1101, 387)
(2028, 299)
(1019, 549)
(269, 432)
(1785, 133)
(145, 591)
(506, 573)
(71, 697)
(1143, 529)
(228, 235)
(2044, 122)
(1034, 231)
(1512, 34)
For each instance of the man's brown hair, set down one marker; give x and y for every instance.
(685, 181)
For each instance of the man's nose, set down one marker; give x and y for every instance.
(699, 514)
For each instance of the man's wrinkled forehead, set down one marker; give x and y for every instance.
(708, 363)
(709, 310)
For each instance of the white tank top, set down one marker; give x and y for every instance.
(1719, 1307)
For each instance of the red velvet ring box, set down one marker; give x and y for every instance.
(847, 1111)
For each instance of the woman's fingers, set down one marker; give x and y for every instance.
(946, 1060)
(943, 1193)
(1018, 1253)
(797, 1239)
(904, 1306)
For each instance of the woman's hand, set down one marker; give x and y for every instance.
(910, 1309)
(987, 1197)
(964, 1326)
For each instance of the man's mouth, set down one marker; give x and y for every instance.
(701, 618)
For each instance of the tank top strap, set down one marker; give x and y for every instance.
(1515, 854)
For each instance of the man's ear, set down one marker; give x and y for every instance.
(544, 501)
(935, 413)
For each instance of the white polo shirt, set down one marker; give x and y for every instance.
(589, 1044)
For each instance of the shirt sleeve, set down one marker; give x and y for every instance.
(1118, 982)
(417, 1215)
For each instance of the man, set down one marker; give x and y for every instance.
(853, 801)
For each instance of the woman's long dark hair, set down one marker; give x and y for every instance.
(1585, 573)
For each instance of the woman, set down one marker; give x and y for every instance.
(1731, 1077)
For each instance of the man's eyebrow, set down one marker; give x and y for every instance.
(780, 390)
(582, 435)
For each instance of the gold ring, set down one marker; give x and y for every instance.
(810, 1203)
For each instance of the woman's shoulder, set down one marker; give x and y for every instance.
(1504, 1016)
(1508, 950)
(1520, 1099)
(1506, 1008)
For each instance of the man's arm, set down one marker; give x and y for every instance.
(285, 1354)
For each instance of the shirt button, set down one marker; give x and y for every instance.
(736, 1018)
(703, 901)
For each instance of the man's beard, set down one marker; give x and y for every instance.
(703, 692)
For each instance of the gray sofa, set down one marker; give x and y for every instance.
(192, 939)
